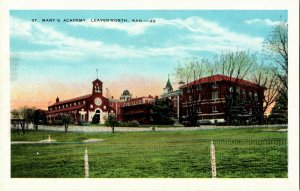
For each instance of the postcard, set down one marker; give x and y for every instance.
(113, 96)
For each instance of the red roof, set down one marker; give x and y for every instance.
(220, 77)
(72, 100)
(66, 109)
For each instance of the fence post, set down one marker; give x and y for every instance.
(86, 163)
(213, 160)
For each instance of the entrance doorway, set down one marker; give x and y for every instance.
(96, 117)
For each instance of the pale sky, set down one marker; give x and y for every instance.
(50, 59)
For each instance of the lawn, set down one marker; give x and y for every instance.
(240, 153)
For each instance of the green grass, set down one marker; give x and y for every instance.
(255, 152)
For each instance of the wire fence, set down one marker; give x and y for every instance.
(234, 158)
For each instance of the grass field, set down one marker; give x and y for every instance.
(249, 152)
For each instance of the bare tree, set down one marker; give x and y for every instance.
(236, 66)
(264, 77)
(276, 47)
(26, 114)
(67, 119)
(193, 69)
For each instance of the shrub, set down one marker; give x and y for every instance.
(129, 124)
(58, 122)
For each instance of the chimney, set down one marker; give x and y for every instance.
(57, 99)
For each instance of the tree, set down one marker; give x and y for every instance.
(67, 119)
(39, 117)
(263, 76)
(111, 120)
(276, 48)
(163, 112)
(26, 114)
(192, 70)
(237, 66)
(279, 114)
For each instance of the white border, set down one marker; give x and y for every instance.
(291, 183)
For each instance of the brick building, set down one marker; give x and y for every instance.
(116, 104)
(221, 98)
(138, 109)
(82, 108)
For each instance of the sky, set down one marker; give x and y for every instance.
(57, 57)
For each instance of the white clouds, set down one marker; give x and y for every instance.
(61, 45)
(198, 35)
(130, 28)
(194, 24)
(267, 22)
(210, 36)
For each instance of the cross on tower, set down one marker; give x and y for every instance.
(97, 72)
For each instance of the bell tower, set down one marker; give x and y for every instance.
(97, 87)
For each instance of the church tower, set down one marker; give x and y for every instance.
(97, 87)
(168, 87)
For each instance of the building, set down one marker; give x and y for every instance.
(175, 97)
(116, 104)
(83, 108)
(138, 109)
(221, 98)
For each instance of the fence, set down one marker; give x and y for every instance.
(234, 158)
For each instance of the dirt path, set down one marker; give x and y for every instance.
(73, 128)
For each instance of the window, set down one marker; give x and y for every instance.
(214, 108)
(214, 85)
(238, 90)
(255, 96)
(199, 87)
(199, 110)
(74, 103)
(190, 98)
(231, 89)
(83, 102)
(250, 111)
(199, 97)
(91, 106)
(214, 95)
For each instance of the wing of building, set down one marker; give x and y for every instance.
(82, 108)
(220, 98)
